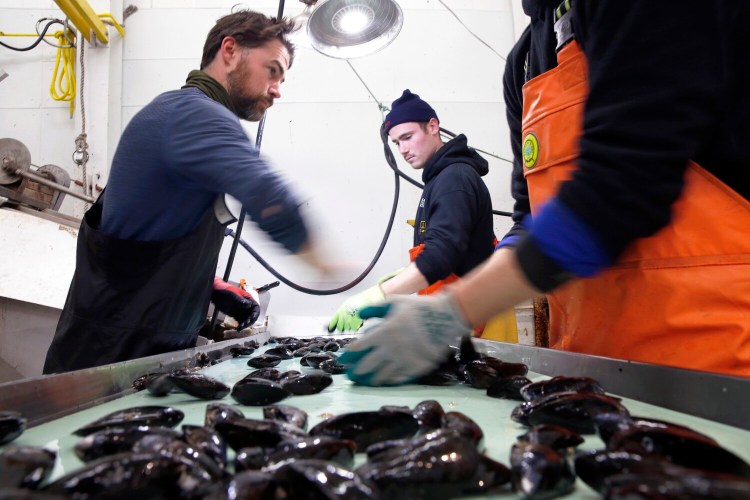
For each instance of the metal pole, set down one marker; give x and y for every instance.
(59, 187)
(241, 219)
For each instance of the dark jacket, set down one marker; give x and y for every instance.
(454, 217)
(668, 83)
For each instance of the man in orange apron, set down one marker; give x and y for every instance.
(453, 225)
(630, 129)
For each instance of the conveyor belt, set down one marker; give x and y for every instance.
(491, 414)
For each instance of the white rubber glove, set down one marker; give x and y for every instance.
(347, 316)
(413, 338)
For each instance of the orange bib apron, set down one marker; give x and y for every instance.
(680, 297)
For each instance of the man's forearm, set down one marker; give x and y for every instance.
(493, 287)
(408, 281)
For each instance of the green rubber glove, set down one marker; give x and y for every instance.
(347, 315)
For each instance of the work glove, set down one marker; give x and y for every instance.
(347, 317)
(235, 302)
(413, 338)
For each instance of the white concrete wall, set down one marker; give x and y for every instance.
(322, 134)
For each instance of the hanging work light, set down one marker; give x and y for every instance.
(346, 29)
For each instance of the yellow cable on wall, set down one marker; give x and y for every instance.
(63, 85)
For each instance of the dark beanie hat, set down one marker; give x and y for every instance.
(408, 108)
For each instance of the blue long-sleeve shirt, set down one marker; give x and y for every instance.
(175, 157)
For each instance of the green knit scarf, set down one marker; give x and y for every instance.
(210, 87)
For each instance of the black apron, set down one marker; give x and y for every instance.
(130, 299)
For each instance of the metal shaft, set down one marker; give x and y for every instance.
(59, 187)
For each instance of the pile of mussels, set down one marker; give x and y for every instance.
(420, 452)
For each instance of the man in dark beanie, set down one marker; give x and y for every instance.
(453, 225)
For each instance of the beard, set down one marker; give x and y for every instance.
(248, 106)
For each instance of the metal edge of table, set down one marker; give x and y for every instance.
(48, 397)
(712, 396)
(707, 395)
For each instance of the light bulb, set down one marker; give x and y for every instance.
(354, 22)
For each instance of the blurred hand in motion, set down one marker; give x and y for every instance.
(413, 338)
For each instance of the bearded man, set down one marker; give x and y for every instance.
(147, 250)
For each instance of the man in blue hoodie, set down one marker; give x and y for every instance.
(453, 226)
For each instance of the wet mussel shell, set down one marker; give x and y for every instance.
(538, 390)
(368, 427)
(199, 385)
(609, 424)
(307, 383)
(680, 446)
(573, 410)
(507, 387)
(180, 450)
(12, 425)
(266, 373)
(286, 413)
(258, 392)
(684, 483)
(314, 360)
(159, 385)
(332, 366)
(164, 416)
(311, 478)
(339, 451)
(594, 467)
(249, 485)
(113, 440)
(464, 426)
(264, 361)
(540, 472)
(553, 436)
(220, 412)
(280, 351)
(208, 442)
(129, 475)
(241, 350)
(429, 414)
(246, 433)
(25, 466)
(440, 464)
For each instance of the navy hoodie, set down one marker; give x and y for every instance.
(454, 217)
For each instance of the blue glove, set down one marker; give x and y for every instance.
(413, 338)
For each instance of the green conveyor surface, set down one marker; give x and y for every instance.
(493, 415)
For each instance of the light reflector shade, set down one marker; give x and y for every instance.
(346, 29)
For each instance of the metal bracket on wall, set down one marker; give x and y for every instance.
(88, 22)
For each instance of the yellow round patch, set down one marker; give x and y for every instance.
(530, 150)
